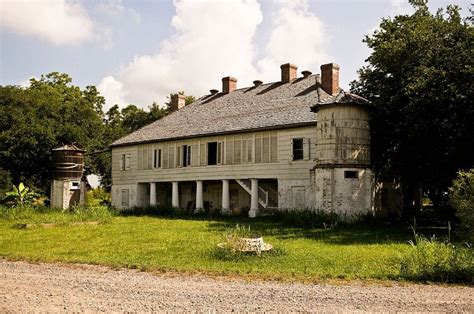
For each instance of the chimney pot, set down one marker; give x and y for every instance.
(214, 91)
(288, 72)
(306, 73)
(257, 82)
(178, 101)
(229, 84)
(330, 78)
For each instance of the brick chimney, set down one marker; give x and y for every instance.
(288, 72)
(178, 101)
(229, 84)
(330, 78)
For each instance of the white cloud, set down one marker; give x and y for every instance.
(399, 7)
(112, 90)
(57, 21)
(26, 83)
(298, 37)
(113, 8)
(217, 42)
(116, 9)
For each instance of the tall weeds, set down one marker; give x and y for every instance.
(433, 260)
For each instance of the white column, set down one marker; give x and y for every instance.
(254, 199)
(152, 193)
(199, 196)
(175, 195)
(225, 196)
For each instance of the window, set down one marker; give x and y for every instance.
(186, 156)
(157, 158)
(125, 162)
(351, 174)
(214, 153)
(298, 151)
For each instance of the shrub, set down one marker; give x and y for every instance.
(432, 260)
(160, 211)
(28, 214)
(307, 218)
(20, 196)
(462, 199)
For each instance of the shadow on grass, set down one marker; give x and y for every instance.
(363, 233)
(350, 234)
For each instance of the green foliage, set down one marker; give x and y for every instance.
(39, 215)
(52, 112)
(20, 195)
(462, 199)
(431, 260)
(5, 182)
(307, 218)
(420, 80)
(36, 119)
(98, 196)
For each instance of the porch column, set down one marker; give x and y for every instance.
(225, 196)
(152, 193)
(199, 198)
(175, 195)
(253, 198)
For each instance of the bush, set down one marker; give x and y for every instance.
(462, 199)
(159, 211)
(307, 218)
(431, 260)
(29, 214)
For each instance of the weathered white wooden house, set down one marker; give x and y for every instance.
(301, 142)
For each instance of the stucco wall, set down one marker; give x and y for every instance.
(347, 196)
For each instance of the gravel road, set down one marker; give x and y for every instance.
(28, 287)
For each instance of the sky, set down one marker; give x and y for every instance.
(140, 51)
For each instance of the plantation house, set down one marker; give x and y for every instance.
(301, 142)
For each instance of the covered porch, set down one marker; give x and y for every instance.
(232, 196)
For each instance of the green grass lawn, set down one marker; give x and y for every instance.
(156, 243)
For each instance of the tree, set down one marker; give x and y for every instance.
(52, 112)
(36, 119)
(420, 79)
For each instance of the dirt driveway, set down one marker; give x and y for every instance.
(53, 287)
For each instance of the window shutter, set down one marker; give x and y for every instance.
(140, 158)
(273, 148)
(195, 155)
(178, 156)
(220, 153)
(291, 150)
(150, 157)
(171, 157)
(203, 155)
(306, 147)
(165, 158)
(127, 162)
(122, 162)
(258, 149)
(244, 151)
(250, 150)
(265, 148)
(229, 149)
(237, 152)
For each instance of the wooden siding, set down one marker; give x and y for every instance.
(248, 155)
